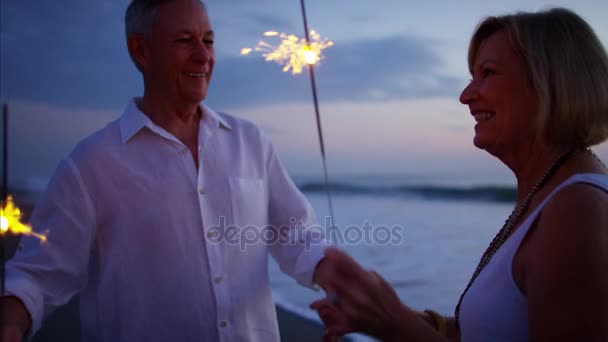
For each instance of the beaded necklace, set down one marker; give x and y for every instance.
(509, 224)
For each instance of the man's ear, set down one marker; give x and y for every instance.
(138, 50)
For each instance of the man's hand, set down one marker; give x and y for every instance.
(329, 314)
(15, 320)
(363, 301)
(11, 333)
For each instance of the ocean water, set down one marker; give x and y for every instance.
(442, 241)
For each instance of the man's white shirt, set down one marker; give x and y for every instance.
(159, 249)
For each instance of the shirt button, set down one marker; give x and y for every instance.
(211, 234)
(218, 280)
(201, 191)
(223, 324)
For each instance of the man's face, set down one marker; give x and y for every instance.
(181, 55)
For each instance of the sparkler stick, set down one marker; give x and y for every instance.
(294, 54)
(4, 151)
(313, 84)
(10, 215)
(4, 192)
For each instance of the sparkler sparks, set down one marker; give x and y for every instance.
(293, 52)
(10, 221)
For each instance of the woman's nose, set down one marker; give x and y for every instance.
(469, 93)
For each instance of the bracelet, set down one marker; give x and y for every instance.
(440, 322)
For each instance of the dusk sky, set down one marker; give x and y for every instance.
(388, 88)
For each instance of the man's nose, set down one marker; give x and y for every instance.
(203, 53)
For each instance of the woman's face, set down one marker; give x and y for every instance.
(501, 98)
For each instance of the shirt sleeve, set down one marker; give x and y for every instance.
(301, 242)
(46, 275)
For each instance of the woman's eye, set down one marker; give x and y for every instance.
(487, 72)
(208, 42)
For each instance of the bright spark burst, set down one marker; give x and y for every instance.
(10, 221)
(293, 53)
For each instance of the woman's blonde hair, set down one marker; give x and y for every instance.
(567, 66)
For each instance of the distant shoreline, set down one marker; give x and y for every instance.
(486, 193)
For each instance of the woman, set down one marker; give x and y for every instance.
(539, 96)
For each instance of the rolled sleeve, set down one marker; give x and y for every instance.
(304, 240)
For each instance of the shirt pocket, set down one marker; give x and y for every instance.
(248, 252)
(249, 200)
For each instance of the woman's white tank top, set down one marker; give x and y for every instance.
(494, 308)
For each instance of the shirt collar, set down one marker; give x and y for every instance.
(208, 112)
(133, 120)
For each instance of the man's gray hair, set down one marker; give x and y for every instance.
(140, 17)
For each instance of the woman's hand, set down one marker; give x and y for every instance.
(364, 302)
(335, 321)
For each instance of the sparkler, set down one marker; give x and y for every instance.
(294, 54)
(10, 221)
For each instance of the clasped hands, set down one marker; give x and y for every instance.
(357, 300)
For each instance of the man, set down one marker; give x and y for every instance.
(139, 212)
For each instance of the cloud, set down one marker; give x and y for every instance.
(366, 70)
(40, 135)
(251, 21)
(75, 55)
(72, 54)
(265, 21)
